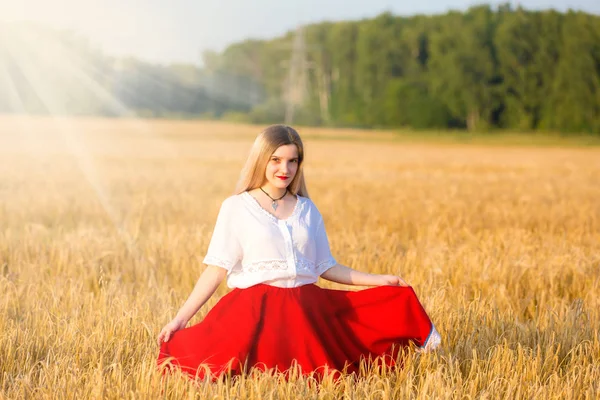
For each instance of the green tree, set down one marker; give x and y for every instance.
(461, 65)
(574, 105)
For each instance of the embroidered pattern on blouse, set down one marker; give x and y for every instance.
(301, 265)
(268, 265)
(219, 262)
(305, 265)
(257, 205)
(325, 265)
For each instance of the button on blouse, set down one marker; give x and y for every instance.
(255, 247)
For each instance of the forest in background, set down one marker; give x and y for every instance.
(481, 70)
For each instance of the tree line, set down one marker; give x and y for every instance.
(482, 69)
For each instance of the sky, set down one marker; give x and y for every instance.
(170, 31)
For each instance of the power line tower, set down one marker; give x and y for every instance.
(295, 89)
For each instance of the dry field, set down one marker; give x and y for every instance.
(104, 223)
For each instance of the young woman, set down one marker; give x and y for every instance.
(270, 242)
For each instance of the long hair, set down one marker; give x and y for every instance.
(252, 175)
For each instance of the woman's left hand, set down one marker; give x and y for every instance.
(392, 280)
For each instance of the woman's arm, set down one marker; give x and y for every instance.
(348, 276)
(208, 282)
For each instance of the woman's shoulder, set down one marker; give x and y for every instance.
(234, 197)
(231, 202)
(306, 200)
(309, 205)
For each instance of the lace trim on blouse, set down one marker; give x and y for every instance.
(267, 265)
(301, 265)
(256, 204)
(325, 265)
(219, 262)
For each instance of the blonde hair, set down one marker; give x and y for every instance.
(265, 144)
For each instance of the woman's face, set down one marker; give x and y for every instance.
(282, 164)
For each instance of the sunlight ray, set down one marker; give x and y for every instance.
(18, 51)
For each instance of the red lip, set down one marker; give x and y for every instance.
(283, 178)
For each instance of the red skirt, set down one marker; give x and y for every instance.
(309, 327)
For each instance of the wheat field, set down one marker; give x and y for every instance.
(104, 223)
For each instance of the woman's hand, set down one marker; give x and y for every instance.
(169, 329)
(391, 280)
(205, 287)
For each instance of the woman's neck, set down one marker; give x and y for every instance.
(273, 191)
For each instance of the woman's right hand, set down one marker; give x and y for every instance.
(392, 280)
(170, 328)
(205, 287)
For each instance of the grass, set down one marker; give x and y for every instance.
(104, 223)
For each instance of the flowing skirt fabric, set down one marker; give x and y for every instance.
(316, 329)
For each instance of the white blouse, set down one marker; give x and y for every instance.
(255, 247)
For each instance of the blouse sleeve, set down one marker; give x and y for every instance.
(224, 249)
(324, 259)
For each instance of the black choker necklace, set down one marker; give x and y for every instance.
(274, 204)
